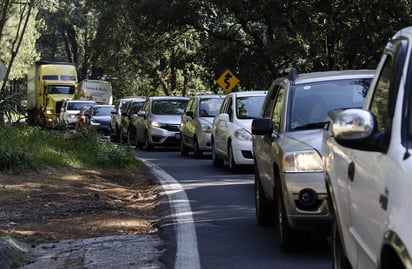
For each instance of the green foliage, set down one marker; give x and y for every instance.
(10, 105)
(24, 147)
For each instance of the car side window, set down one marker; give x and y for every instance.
(270, 100)
(224, 105)
(278, 108)
(189, 106)
(379, 104)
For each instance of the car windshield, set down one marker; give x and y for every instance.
(60, 89)
(312, 101)
(168, 107)
(136, 106)
(248, 107)
(78, 105)
(102, 111)
(209, 107)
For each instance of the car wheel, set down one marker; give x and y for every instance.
(216, 160)
(196, 150)
(339, 258)
(264, 208)
(147, 145)
(131, 139)
(232, 164)
(183, 149)
(285, 232)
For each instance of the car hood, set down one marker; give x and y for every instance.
(168, 119)
(304, 140)
(245, 124)
(101, 118)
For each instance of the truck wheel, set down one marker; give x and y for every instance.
(285, 232)
(340, 260)
(263, 207)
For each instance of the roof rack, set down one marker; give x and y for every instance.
(290, 72)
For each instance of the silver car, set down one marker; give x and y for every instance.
(287, 139)
(197, 122)
(158, 122)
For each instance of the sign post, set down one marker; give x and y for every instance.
(227, 81)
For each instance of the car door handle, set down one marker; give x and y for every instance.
(351, 171)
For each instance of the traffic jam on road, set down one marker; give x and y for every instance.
(330, 151)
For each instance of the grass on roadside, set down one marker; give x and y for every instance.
(26, 147)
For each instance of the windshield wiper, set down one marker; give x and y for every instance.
(315, 125)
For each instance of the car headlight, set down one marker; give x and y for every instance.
(94, 123)
(49, 111)
(206, 128)
(243, 135)
(303, 161)
(156, 124)
(72, 116)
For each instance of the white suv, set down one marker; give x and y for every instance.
(368, 168)
(231, 128)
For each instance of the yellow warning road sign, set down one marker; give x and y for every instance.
(227, 81)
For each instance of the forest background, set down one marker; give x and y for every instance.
(180, 47)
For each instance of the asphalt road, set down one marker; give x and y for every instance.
(223, 215)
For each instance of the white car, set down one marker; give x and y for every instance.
(70, 109)
(368, 168)
(231, 128)
(196, 128)
(158, 122)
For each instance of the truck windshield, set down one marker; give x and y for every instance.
(60, 89)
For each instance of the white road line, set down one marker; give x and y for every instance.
(187, 255)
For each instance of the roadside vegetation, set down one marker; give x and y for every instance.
(32, 148)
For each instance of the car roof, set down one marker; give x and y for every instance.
(168, 98)
(331, 75)
(103, 106)
(249, 93)
(204, 96)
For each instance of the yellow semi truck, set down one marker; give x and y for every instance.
(48, 84)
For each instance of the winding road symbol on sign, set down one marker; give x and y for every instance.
(227, 81)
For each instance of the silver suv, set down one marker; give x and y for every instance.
(289, 184)
(68, 112)
(197, 121)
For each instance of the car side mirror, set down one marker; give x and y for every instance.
(262, 126)
(189, 113)
(141, 113)
(357, 129)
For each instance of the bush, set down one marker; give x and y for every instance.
(27, 147)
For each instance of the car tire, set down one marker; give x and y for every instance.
(264, 207)
(183, 149)
(232, 164)
(131, 140)
(147, 145)
(339, 259)
(197, 153)
(287, 238)
(216, 160)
